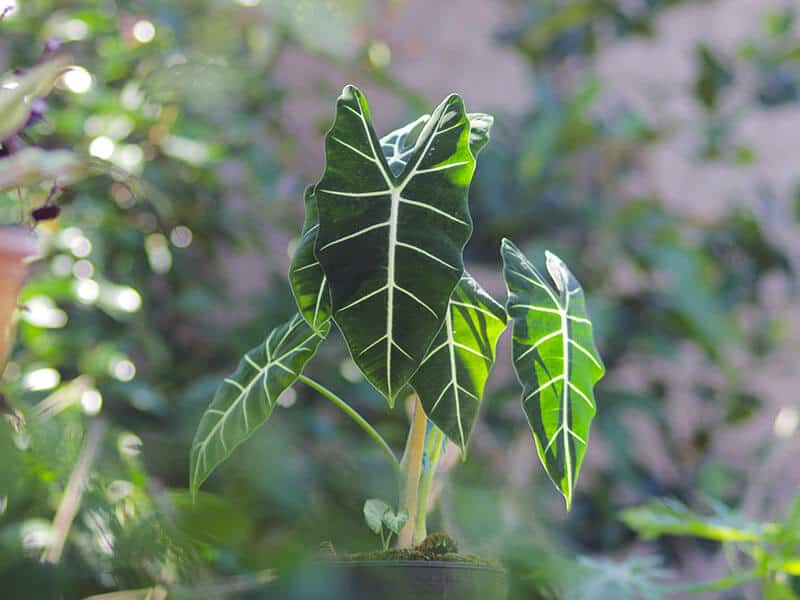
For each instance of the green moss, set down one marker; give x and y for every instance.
(435, 547)
(438, 544)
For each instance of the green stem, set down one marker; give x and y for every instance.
(433, 448)
(351, 412)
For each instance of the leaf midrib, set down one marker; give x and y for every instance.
(202, 446)
(396, 187)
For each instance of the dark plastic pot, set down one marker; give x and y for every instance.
(399, 580)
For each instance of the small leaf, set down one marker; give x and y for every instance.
(374, 511)
(395, 522)
(391, 243)
(451, 379)
(555, 360)
(307, 279)
(245, 400)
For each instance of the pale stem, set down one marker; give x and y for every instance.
(433, 449)
(351, 412)
(414, 452)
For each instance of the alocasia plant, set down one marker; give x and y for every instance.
(381, 256)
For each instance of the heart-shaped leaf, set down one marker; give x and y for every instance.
(452, 376)
(18, 91)
(245, 400)
(391, 244)
(374, 510)
(555, 360)
(307, 279)
(395, 521)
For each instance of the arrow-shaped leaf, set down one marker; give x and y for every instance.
(391, 243)
(451, 378)
(555, 360)
(307, 279)
(245, 400)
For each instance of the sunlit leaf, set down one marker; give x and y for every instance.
(671, 517)
(307, 279)
(555, 360)
(391, 243)
(245, 400)
(452, 376)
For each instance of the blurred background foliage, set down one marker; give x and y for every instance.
(202, 121)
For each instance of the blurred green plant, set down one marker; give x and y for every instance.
(766, 553)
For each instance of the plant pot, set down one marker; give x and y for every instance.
(16, 244)
(397, 580)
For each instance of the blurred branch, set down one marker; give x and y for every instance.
(71, 501)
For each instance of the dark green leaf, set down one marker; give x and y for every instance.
(305, 273)
(307, 279)
(245, 400)
(391, 244)
(555, 360)
(395, 521)
(452, 376)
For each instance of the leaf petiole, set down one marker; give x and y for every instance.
(353, 414)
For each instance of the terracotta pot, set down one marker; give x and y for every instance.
(16, 244)
(395, 580)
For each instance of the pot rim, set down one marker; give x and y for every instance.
(429, 564)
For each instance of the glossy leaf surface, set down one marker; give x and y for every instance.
(555, 360)
(390, 243)
(245, 400)
(307, 279)
(452, 376)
